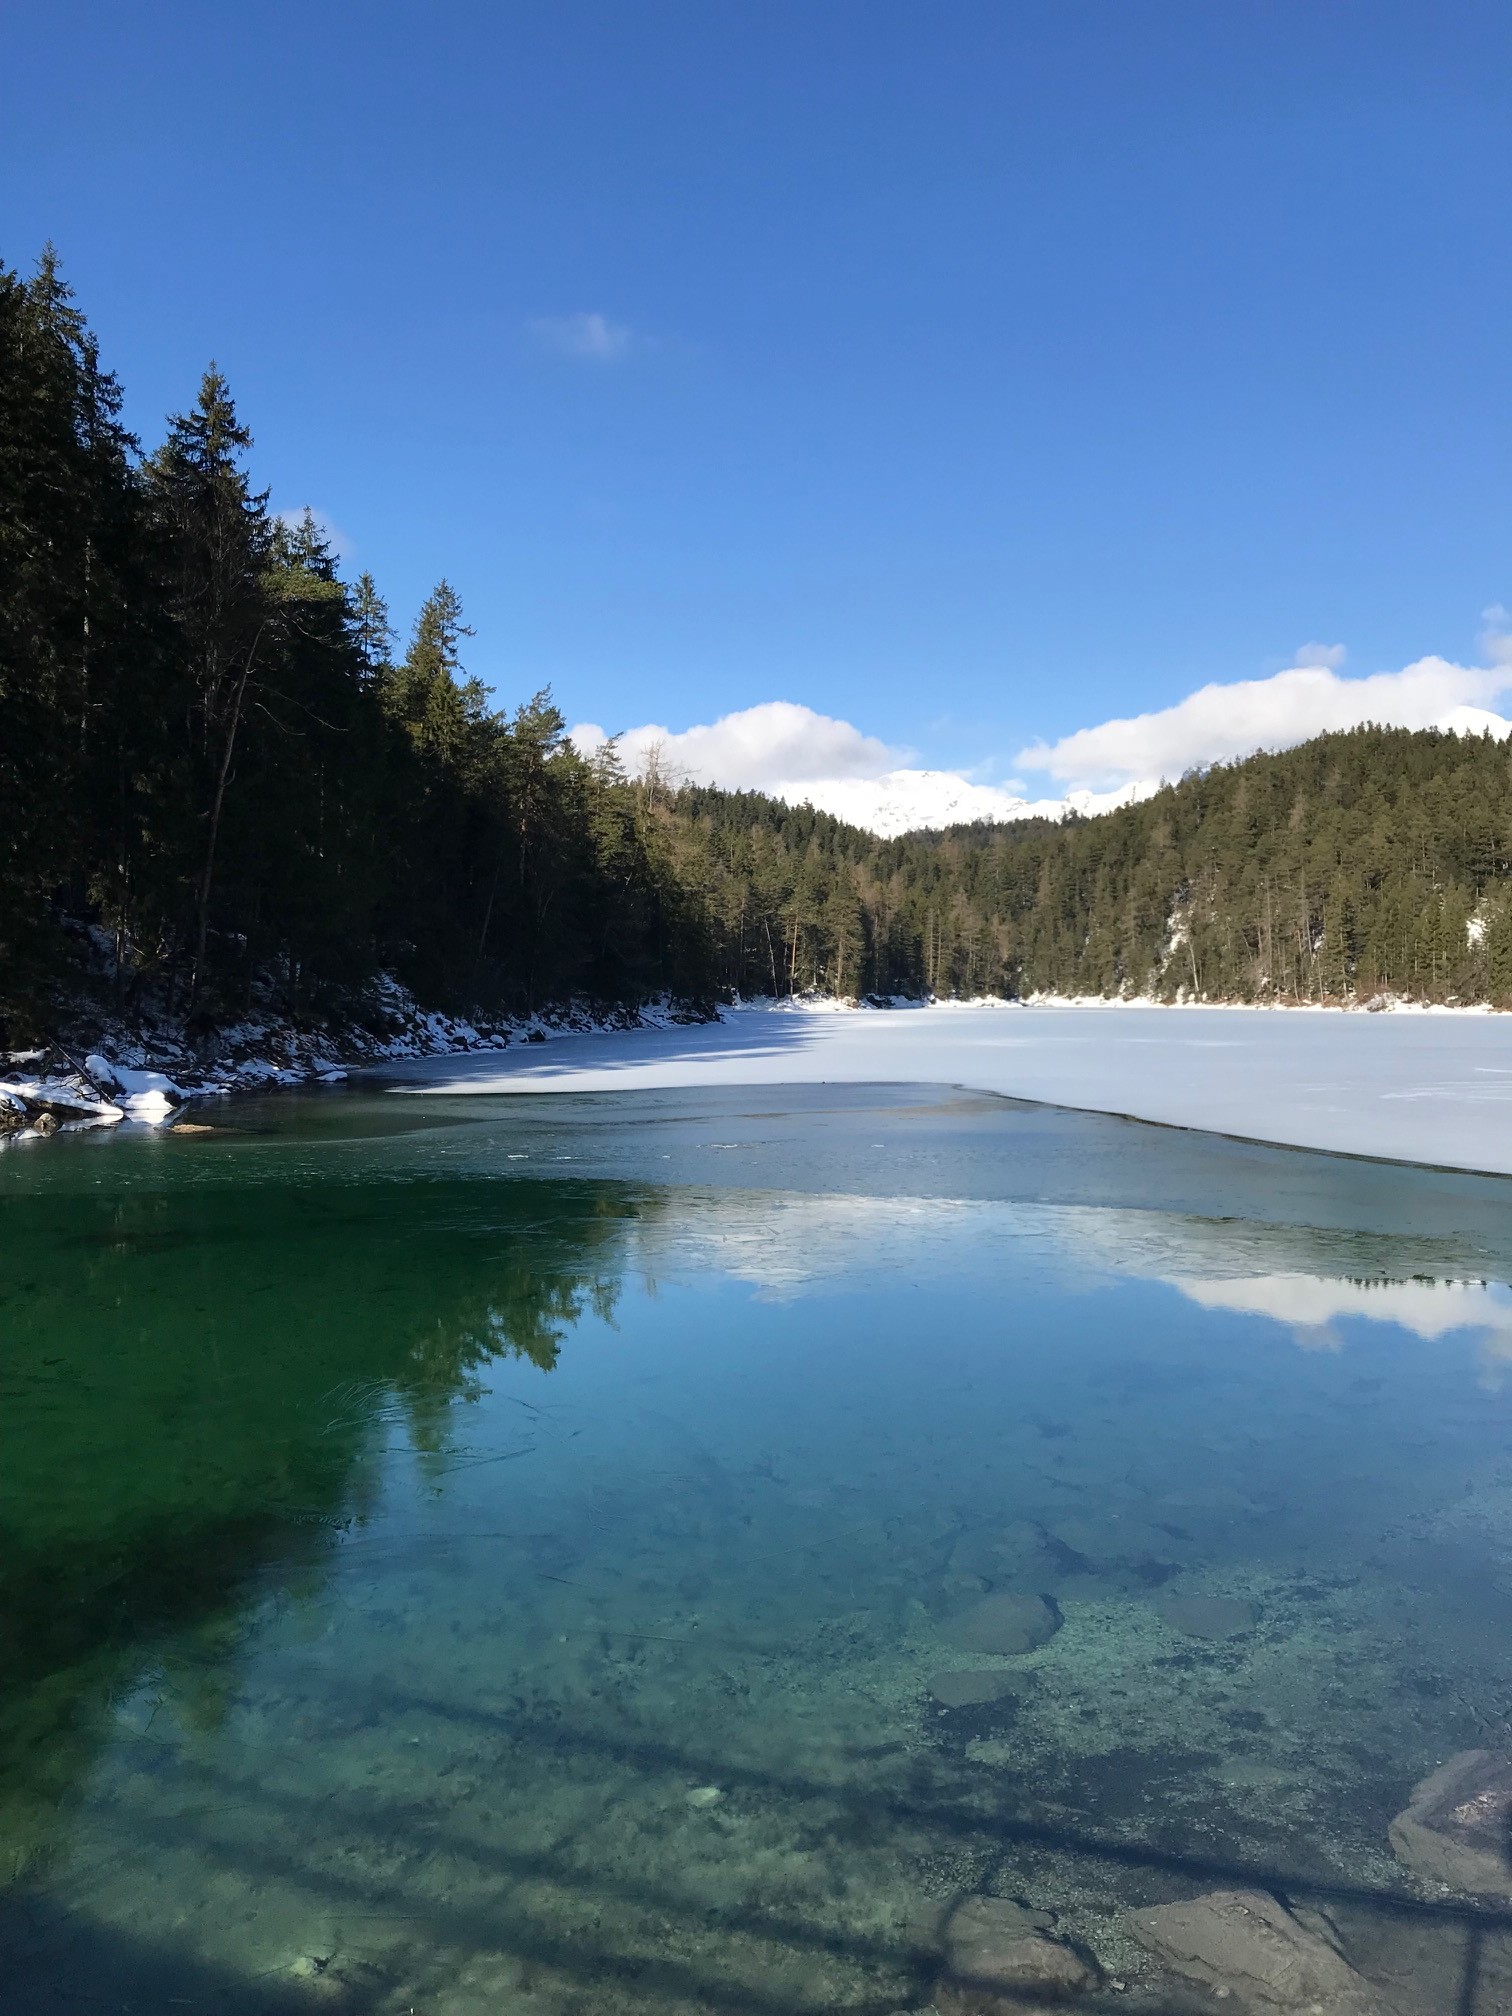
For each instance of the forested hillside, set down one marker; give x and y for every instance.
(224, 782)
(1371, 862)
(213, 756)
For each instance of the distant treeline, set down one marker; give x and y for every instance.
(1376, 861)
(222, 784)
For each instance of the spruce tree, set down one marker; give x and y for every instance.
(372, 632)
(68, 511)
(218, 546)
(429, 692)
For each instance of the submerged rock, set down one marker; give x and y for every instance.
(1004, 1624)
(1242, 1943)
(1018, 1556)
(996, 1751)
(967, 1689)
(1000, 1958)
(1118, 1545)
(1208, 1616)
(1457, 1827)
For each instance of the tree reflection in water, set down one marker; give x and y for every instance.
(155, 1475)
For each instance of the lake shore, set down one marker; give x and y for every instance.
(1422, 1083)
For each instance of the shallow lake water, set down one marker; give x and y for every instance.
(478, 1555)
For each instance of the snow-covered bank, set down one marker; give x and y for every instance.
(152, 1074)
(1410, 1088)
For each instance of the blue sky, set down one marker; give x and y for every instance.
(973, 374)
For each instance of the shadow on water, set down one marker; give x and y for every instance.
(75, 1961)
(53, 1967)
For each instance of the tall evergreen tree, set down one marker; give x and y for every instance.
(68, 518)
(218, 546)
(429, 692)
(372, 632)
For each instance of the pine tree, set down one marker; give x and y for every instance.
(218, 546)
(371, 630)
(845, 936)
(429, 692)
(68, 512)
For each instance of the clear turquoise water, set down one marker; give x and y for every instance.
(478, 1555)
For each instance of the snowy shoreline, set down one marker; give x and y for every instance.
(151, 1077)
(1422, 1084)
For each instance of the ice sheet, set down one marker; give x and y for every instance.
(1412, 1088)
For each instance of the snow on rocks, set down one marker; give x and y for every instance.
(149, 1071)
(150, 1096)
(31, 1106)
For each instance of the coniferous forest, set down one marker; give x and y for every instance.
(225, 779)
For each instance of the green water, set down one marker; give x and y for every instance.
(488, 1555)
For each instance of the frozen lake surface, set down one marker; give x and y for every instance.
(1433, 1088)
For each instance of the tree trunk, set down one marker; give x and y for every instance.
(202, 927)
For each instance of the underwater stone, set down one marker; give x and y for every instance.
(999, 1958)
(1004, 1624)
(1115, 1543)
(1242, 1943)
(1455, 1827)
(705, 1795)
(968, 1689)
(1005, 1554)
(1208, 1616)
(996, 1751)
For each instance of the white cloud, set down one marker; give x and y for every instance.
(1220, 722)
(590, 338)
(748, 750)
(329, 530)
(792, 752)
